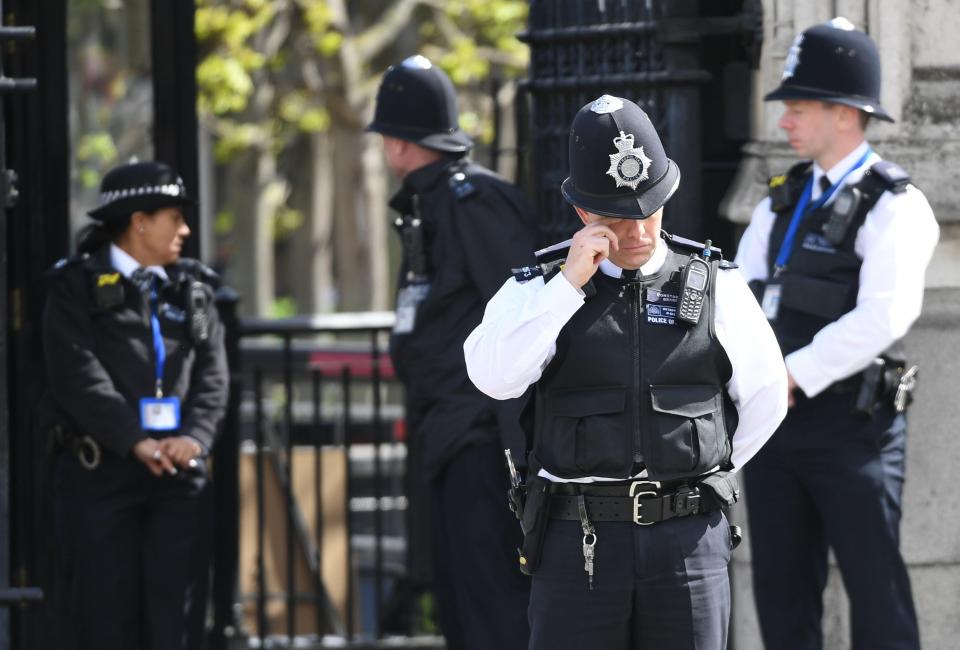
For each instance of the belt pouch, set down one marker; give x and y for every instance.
(536, 514)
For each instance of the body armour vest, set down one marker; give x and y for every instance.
(632, 385)
(821, 279)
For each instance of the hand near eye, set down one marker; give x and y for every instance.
(590, 246)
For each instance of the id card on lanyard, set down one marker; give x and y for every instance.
(158, 413)
(773, 290)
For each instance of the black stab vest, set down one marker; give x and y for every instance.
(821, 280)
(630, 383)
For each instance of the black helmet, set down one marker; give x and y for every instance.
(416, 102)
(146, 186)
(617, 164)
(835, 63)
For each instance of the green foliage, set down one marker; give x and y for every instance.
(283, 307)
(96, 152)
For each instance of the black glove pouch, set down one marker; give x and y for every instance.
(719, 490)
(536, 517)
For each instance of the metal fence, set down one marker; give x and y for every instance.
(309, 480)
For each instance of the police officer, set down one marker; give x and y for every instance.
(656, 379)
(463, 228)
(837, 255)
(137, 372)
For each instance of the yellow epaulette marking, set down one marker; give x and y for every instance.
(107, 279)
(776, 181)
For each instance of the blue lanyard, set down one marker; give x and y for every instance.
(802, 209)
(159, 350)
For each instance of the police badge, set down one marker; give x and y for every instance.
(629, 166)
(793, 58)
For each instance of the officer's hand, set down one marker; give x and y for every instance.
(183, 450)
(149, 453)
(590, 246)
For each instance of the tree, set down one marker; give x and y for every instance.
(286, 89)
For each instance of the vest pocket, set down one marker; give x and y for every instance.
(823, 298)
(586, 434)
(688, 430)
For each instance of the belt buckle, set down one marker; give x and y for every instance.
(641, 489)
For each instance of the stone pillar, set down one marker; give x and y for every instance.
(921, 82)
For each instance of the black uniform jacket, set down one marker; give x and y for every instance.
(477, 228)
(100, 357)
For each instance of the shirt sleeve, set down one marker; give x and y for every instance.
(752, 251)
(896, 243)
(517, 337)
(758, 385)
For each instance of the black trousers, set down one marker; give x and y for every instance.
(481, 594)
(658, 587)
(828, 478)
(134, 555)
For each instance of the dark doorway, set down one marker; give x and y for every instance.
(686, 62)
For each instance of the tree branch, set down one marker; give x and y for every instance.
(386, 30)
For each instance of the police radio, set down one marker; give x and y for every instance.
(841, 216)
(694, 280)
(198, 300)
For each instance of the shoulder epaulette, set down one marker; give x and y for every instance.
(461, 184)
(67, 262)
(893, 176)
(549, 260)
(689, 244)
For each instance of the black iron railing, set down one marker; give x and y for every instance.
(309, 474)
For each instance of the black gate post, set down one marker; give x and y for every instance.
(226, 486)
(8, 198)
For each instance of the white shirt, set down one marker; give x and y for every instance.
(516, 340)
(123, 262)
(895, 243)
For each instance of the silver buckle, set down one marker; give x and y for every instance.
(641, 489)
(88, 453)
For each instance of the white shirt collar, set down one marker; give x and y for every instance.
(649, 268)
(123, 262)
(836, 172)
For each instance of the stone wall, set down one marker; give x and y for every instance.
(921, 63)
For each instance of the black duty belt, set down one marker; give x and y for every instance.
(640, 502)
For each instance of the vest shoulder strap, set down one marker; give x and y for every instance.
(885, 176)
(689, 245)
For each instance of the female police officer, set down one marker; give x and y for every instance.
(136, 368)
(656, 378)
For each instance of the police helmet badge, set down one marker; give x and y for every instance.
(793, 57)
(628, 167)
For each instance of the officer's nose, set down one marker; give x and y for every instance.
(635, 228)
(785, 122)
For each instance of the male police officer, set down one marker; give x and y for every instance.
(836, 255)
(463, 228)
(656, 379)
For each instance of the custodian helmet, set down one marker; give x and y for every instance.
(416, 102)
(835, 63)
(617, 164)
